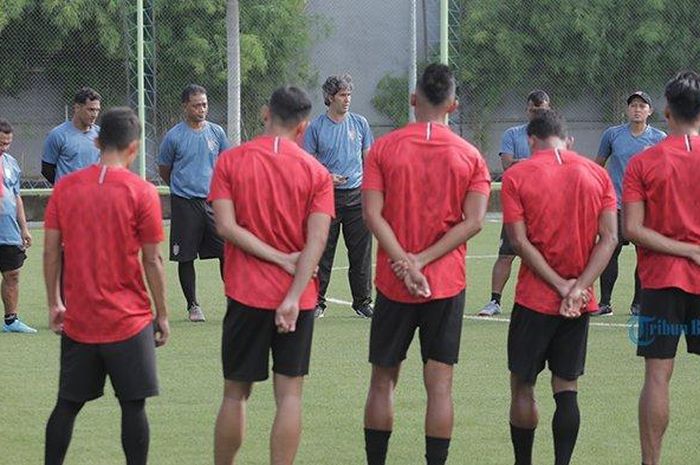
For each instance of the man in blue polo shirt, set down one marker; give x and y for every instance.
(617, 146)
(71, 146)
(14, 234)
(340, 140)
(514, 149)
(186, 162)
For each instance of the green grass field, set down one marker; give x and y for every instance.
(182, 417)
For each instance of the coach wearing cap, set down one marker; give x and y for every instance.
(617, 146)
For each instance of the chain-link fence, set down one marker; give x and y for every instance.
(587, 55)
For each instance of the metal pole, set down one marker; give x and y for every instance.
(444, 31)
(234, 70)
(445, 37)
(413, 65)
(141, 87)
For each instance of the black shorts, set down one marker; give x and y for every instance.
(130, 364)
(248, 336)
(11, 257)
(439, 324)
(666, 314)
(193, 230)
(535, 338)
(504, 247)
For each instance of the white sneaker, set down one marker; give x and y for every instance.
(490, 309)
(195, 314)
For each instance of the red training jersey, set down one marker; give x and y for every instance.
(666, 178)
(104, 214)
(274, 186)
(425, 172)
(559, 195)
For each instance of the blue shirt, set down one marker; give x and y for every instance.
(9, 228)
(70, 149)
(191, 154)
(339, 146)
(619, 145)
(514, 142)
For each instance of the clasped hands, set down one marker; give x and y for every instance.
(409, 271)
(574, 298)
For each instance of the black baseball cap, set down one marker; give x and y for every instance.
(639, 94)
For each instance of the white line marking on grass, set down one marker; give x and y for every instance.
(491, 318)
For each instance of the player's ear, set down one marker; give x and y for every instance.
(132, 150)
(301, 127)
(98, 143)
(667, 113)
(453, 106)
(413, 99)
(531, 142)
(265, 114)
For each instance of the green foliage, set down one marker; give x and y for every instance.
(9, 10)
(391, 98)
(85, 42)
(596, 49)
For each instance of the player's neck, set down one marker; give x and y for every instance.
(275, 131)
(196, 125)
(335, 116)
(551, 143)
(437, 119)
(638, 127)
(80, 126)
(426, 114)
(684, 130)
(114, 158)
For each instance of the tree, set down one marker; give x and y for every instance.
(600, 50)
(84, 42)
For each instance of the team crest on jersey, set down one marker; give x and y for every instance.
(176, 249)
(352, 134)
(212, 144)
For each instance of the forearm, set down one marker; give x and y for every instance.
(48, 170)
(155, 277)
(386, 238)
(600, 257)
(535, 261)
(306, 264)
(52, 273)
(456, 236)
(21, 215)
(251, 244)
(654, 241)
(164, 172)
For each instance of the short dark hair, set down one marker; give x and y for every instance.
(683, 96)
(289, 106)
(334, 84)
(5, 126)
(437, 83)
(538, 97)
(120, 127)
(85, 94)
(190, 90)
(545, 124)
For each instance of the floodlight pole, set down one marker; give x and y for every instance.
(141, 86)
(444, 37)
(233, 53)
(444, 31)
(413, 65)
